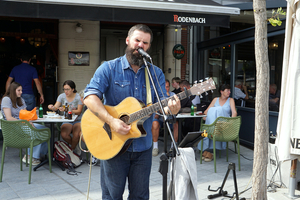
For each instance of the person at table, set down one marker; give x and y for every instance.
(239, 95)
(11, 105)
(114, 81)
(71, 98)
(158, 122)
(189, 124)
(222, 106)
(175, 84)
(274, 98)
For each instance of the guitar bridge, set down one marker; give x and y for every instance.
(106, 127)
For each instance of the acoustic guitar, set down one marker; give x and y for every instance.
(105, 144)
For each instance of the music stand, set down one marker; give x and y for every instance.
(191, 139)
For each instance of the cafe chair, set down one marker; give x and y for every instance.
(223, 129)
(21, 134)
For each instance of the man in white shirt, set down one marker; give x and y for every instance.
(238, 93)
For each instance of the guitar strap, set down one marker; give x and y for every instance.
(148, 89)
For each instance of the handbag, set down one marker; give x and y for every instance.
(28, 115)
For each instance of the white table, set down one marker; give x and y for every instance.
(52, 120)
(181, 116)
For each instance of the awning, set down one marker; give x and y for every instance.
(199, 13)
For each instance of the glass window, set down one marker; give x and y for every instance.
(217, 65)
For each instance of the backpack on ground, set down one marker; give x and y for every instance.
(64, 154)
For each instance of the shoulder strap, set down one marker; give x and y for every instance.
(149, 97)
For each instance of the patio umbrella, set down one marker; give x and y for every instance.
(288, 128)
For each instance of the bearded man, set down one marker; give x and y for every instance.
(114, 81)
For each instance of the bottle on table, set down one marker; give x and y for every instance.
(66, 110)
(41, 111)
(192, 110)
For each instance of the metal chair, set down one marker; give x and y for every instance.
(21, 134)
(223, 129)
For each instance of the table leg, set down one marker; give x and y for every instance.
(179, 130)
(52, 140)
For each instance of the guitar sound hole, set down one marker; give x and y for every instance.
(125, 118)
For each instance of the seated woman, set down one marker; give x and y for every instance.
(222, 106)
(11, 105)
(72, 99)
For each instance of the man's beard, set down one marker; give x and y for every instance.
(133, 59)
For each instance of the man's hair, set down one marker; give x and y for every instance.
(26, 57)
(176, 79)
(184, 83)
(167, 80)
(140, 27)
(238, 82)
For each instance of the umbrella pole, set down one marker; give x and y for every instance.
(292, 183)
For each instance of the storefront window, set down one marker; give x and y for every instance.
(217, 66)
(246, 69)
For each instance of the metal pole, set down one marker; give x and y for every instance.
(292, 183)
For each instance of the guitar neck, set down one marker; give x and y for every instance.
(155, 107)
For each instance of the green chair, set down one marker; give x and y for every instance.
(223, 129)
(21, 134)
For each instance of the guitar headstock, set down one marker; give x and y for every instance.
(199, 88)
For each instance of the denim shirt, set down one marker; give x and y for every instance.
(115, 80)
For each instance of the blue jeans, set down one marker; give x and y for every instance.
(135, 166)
(29, 100)
(41, 149)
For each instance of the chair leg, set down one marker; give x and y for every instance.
(227, 151)
(201, 151)
(21, 164)
(2, 162)
(49, 156)
(30, 163)
(215, 155)
(238, 143)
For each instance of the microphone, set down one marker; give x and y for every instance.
(143, 53)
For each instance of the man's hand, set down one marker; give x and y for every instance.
(41, 99)
(174, 106)
(119, 126)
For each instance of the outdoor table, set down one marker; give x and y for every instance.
(52, 120)
(180, 117)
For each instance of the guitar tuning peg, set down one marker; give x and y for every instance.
(206, 93)
(201, 96)
(206, 78)
(201, 80)
(212, 91)
(195, 82)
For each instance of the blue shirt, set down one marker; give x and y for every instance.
(115, 80)
(24, 74)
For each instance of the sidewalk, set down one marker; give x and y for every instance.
(59, 185)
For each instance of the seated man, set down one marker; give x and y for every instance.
(175, 84)
(274, 98)
(186, 104)
(158, 122)
(239, 95)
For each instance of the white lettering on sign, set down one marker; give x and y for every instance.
(189, 19)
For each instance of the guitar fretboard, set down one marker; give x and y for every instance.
(155, 107)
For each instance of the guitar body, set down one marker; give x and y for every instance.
(104, 143)
(96, 135)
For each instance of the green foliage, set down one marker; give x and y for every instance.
(275, 19)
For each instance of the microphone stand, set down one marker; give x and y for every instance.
(163, 168)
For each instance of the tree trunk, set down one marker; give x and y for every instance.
(259, 182)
